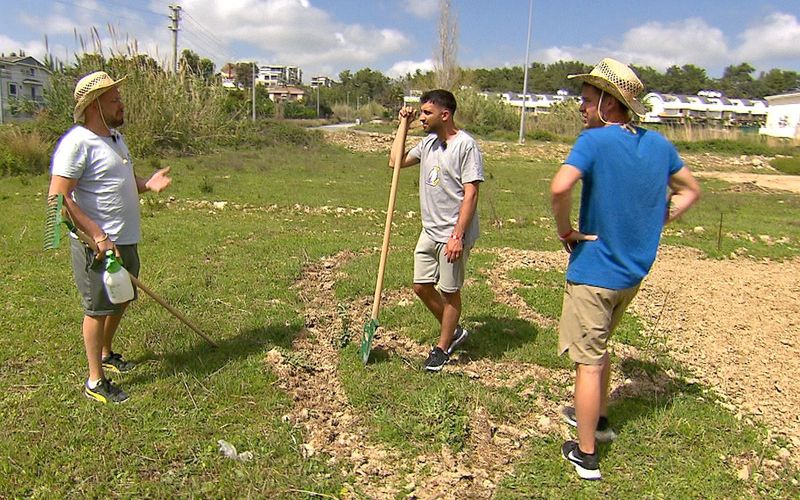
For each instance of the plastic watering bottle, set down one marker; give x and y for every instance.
(117, 280)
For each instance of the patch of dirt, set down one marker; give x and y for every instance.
(736, 324)
(757, 182)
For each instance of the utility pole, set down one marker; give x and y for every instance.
(2, 112)
(175, 17)
(254, 91)
(525, 85)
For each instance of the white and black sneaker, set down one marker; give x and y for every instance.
(436, 359)
(459, 336)
(604, 433)
(585, 464)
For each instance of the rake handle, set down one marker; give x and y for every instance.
(91, 244)
(398, 158)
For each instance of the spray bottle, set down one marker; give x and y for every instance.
(117, 280)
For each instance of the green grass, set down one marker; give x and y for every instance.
(231, 271)
(788, 165)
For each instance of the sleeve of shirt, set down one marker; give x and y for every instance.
(582, 154)
(416, 151)
(69, 159)
(472, 165)
(675, 161)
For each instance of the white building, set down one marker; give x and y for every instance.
(22, 83)
(536, 103)
(783, 116)
(321, 81)
(273, 75)
(706, 107)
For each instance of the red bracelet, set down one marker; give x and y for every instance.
(454, 237)
(566, 235)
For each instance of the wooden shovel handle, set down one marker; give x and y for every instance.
(397, 155)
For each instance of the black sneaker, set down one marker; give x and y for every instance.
(459, 336)
(114, 363)
(604, 433)
(105, 392)
(584, 463)
(436, 359)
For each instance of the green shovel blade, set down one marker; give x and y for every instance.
(370, 327)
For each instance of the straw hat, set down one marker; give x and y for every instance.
(618, 80)
(89, 88)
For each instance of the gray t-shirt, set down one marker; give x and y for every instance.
(442, 174)
(106, 189)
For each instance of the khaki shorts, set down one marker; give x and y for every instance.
(431, 266)
(88, 273)
(589, 316)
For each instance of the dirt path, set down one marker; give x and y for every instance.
(768, 182)
(736, 324)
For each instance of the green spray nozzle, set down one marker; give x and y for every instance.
(113, 263)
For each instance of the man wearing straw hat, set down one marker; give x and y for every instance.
(633, 182)
(92, 168)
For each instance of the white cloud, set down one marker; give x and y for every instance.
(402, 68)
(776, 36)
(691, 41)
(31, 48)
(422, 8)
(662, 45)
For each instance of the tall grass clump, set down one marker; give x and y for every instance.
(484, 116)
(163, 111)
(563, 122)
(23, 152)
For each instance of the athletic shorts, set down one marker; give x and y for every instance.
(88, 273)
(588, 317)
(431, 266)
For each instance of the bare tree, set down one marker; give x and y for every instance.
(445, 61)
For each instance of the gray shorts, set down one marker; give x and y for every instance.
(431, 266)
(88, 274)
(588, 318)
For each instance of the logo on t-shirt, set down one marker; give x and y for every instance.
(432, 179)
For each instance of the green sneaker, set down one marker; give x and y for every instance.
(114, 363)
(105, 392)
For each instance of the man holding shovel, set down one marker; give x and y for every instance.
(92, 169)
(451, 169)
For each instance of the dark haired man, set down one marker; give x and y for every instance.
(626, 173)
(451, 169)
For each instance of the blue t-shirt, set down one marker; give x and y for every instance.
(623, 201)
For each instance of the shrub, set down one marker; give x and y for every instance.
(23, 152)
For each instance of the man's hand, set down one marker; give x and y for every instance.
(407, 112)
(453, 249)
(573, 238)
(159, 181)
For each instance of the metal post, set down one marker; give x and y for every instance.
(525, 84)
(175, 17)
(254, 91)
(2, 111)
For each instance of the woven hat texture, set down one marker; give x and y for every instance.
(617, 79)
(89, 88)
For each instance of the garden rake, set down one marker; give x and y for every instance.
(52, 238)
(371, 327)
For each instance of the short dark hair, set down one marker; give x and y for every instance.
(440, 97)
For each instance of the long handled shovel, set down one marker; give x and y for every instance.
(371, 327)
(53, 237)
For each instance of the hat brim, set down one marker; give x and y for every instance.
(601, 83)
(80, 106)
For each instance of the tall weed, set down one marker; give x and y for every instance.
(23, 152)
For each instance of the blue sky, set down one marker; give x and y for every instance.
(324, 37)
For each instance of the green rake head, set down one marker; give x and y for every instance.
(53, 220)
(366, 340)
